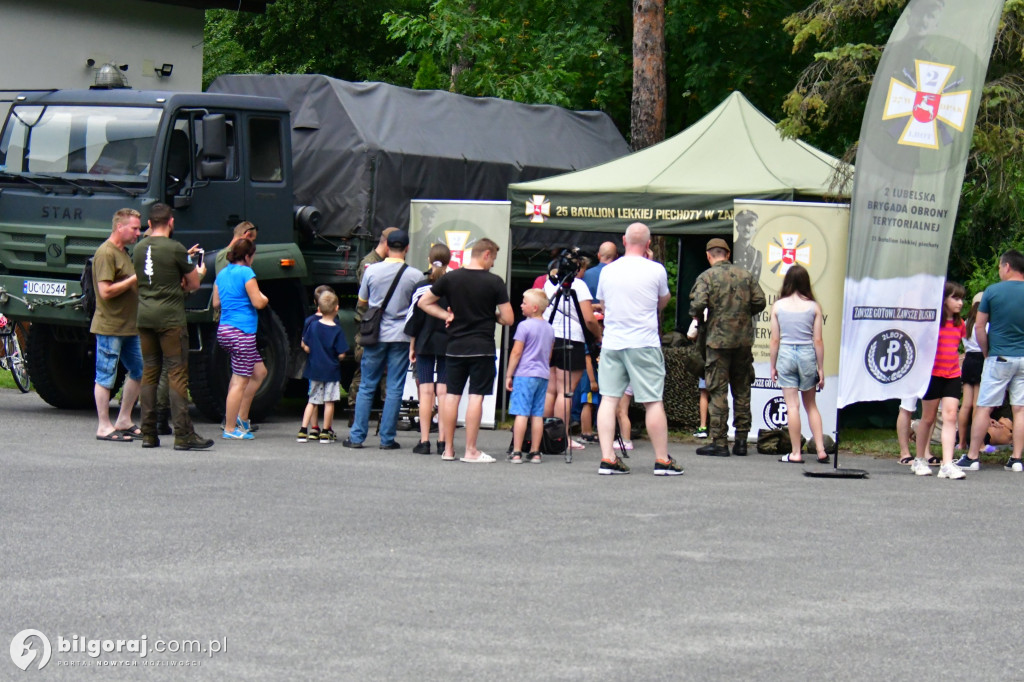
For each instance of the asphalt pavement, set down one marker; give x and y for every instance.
(287, 561)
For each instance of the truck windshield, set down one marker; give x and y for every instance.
(79, 143)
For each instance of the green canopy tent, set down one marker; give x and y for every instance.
(684, 185)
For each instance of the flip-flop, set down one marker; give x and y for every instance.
(484, 458)
(134, 431)
(787, 460)
(447, 459)
(116, 436)
(824, 460)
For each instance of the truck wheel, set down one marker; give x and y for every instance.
(63, 370)
(210, 370)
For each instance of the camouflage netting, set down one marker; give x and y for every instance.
(681, 393)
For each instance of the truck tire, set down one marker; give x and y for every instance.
(209, 370)
(62, 369)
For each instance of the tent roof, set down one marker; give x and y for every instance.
(733, 150)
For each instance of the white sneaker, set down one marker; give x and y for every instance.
(920, 467)
(626, 445)
(576, 445)
(951, 471)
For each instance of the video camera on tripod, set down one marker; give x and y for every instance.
(569, 263)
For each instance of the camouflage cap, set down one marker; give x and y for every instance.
(718, 243)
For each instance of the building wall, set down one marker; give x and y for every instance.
(46, 43)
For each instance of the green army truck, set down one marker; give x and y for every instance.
(320, 166)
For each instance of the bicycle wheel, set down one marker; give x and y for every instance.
(16, 363)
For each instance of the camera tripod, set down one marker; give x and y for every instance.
(563, 297)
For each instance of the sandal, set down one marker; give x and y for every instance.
(535, 458)
(788, 459)
(134, 431)
(905, 461)
(934, 461)
(824, 460)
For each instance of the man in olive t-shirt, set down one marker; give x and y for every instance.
(114, 325)
(165, 276)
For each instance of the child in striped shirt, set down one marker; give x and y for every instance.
(944, 388)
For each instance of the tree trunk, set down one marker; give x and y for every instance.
(462, 63)
(647, 124)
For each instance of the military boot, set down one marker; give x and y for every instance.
(713, 450)
(739, 446)
(163, 426)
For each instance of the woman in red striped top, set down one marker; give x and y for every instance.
(944, 388)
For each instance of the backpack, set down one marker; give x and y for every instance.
(775, 442)
(552, 441)
(88, 289)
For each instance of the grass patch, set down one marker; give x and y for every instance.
(6, 380)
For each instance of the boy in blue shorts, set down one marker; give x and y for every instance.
(527, 375)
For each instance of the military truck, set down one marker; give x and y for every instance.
(321, 166)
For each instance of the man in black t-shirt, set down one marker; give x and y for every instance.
(473, 294)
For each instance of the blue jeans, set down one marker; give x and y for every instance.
(395, 355)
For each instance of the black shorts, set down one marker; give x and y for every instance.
(575, 359)
(478, 370)
(970, 371)
(941, 387)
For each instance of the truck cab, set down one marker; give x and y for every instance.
(70, 159)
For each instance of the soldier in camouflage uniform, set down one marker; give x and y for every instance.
(731, 296)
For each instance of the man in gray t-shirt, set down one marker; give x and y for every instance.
(392, 350)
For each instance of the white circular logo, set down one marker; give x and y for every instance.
(775, 414)
(24, 649)
(890, 356)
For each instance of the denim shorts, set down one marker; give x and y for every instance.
(110, 349)
(1000, 372)
(528, 396)
(797, 366)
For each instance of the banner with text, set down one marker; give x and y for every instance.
(910, 164)
(772, 237)
(459, 224)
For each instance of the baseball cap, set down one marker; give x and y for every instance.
(399, 239)
(718, 243)
(977, 297)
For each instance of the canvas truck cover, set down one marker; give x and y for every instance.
(361, 151)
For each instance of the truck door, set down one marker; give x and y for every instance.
(268, 200)
(206, 210)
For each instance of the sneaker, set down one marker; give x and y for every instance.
(303, 436)
(612, 468)
(327, 436)
(246, 425)
(314, 433)
(393, 445)
(626, 445)
(535, 458)
(348, 443)
(516, 457)
(576, 445)
(422, 448)
(669, 468)
(968, 464)
(920, 467)
(951, 471)
(237, 434)
(701, 432)
(440, 447)
(192, 441)
(1014, 465)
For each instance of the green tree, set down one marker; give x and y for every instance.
(717, 47)
(340, 39)
(827, 104)
(571, 53)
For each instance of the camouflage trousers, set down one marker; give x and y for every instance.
(725, 369)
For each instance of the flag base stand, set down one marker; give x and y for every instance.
(835, 471)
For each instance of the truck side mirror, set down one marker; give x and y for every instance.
(213, 164)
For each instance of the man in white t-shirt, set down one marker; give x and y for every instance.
(634, 290)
